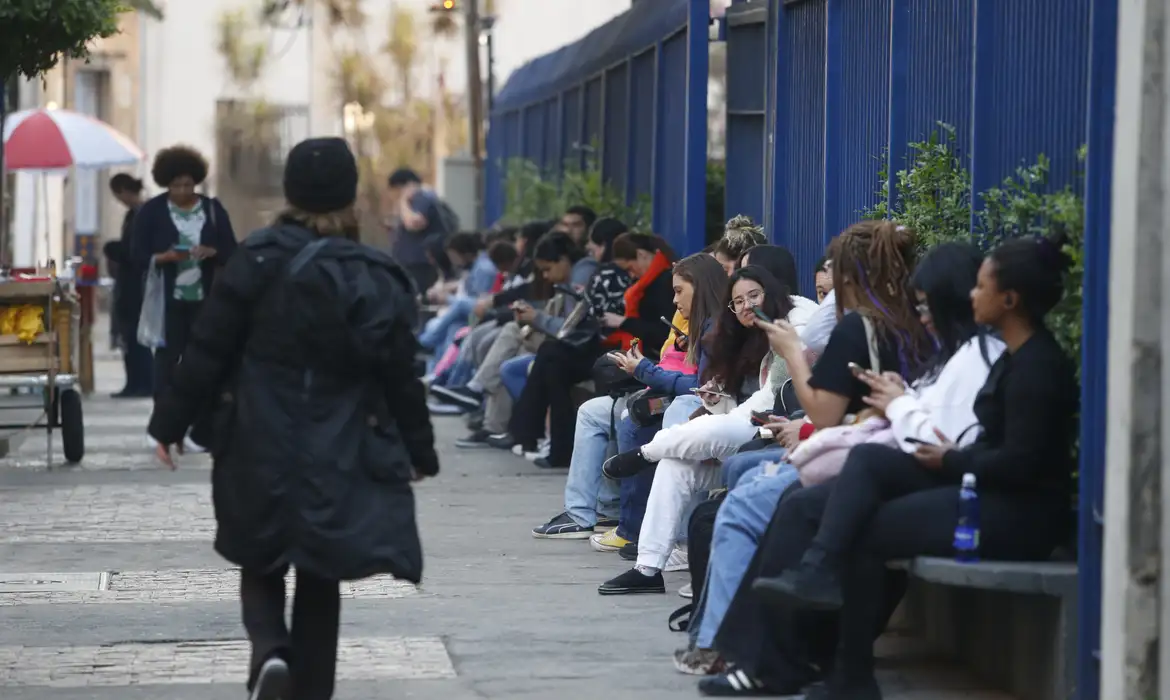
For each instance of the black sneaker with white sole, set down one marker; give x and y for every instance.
(633, 581)
(459, 395)
(629, 551)
(476, 441)
(501, 441)
(626, 464)
(272, 681)
(562, 527)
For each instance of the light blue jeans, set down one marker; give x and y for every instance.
(742, 519)
(439, 332)
(588, 494)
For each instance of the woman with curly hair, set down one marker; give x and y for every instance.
(186, 235)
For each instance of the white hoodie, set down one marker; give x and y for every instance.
(948, 403)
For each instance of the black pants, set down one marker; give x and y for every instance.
(311, 647)
(556, 368)
(883, 507)
(180, 318)
(136, 359)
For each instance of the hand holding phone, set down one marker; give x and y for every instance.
(916, 441)
(856, 369)
(761, 418)
(759, 313)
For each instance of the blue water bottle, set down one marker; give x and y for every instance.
(967, 529)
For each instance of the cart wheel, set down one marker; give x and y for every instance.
(72, 427)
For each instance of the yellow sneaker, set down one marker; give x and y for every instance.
(608, 541)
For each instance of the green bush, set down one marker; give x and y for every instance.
(531, 194)
(935, 200)
(716, 191)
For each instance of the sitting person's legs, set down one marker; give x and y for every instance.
(512, 374)
(636, 489)
(439, 330)
(1013, 527)
(589, 496)
(741, 522)
(735, 466)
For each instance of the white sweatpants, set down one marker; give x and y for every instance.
(675, 483)
(706, 437)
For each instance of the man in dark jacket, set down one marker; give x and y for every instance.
(302, 356)
(128, 276)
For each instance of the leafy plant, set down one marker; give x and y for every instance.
(933, 197)
(35, 34)
(531, 194)
(716, 192)
(933, 193)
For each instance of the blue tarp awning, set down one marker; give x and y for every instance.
(629, 33)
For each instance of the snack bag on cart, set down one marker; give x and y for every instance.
(152, 331)
(30, 322)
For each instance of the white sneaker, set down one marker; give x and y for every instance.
(540, 452)
(190, 447)
(677, 561)
(518, 450)
(687, 592)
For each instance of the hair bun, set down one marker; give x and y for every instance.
(1052, 251)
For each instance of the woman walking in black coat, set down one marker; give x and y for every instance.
(303, 357)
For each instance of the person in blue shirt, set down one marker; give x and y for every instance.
(465, 251)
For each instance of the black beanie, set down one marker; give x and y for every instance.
(321, 176)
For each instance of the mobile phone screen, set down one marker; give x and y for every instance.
(915, 441)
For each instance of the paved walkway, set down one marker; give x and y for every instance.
(109, 588)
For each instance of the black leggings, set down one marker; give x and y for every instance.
(556, 368)
(311, 647)
(884, 507)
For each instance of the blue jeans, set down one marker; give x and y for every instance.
(439, 332)
(635, 490)
(735, 466)
(459, 374)
(588, 494)
(741, 521)
(514, 374)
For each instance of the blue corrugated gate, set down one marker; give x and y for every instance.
(635, 88)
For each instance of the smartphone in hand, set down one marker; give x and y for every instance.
(856, 369)
(916, 441)
(761, 418)
(761, 315)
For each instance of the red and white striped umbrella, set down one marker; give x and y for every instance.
(53, 139)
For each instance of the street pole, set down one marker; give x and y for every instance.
(475, 103)
(4, 257)
(488, 28)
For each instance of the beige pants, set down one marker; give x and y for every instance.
(511, 342)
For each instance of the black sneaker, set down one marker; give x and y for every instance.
(272, 682)
(625, 465)
(629, 551)
(501, 441)
(562, 527)
(475, 420)
(606, 523)
(477, 440)
(633, 581)
(459, 395)
(805, 586)
(544, 463)
(736, 683)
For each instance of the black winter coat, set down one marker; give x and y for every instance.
(312, 451)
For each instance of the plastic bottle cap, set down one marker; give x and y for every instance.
(968, 481)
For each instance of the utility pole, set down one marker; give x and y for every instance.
(471, 30)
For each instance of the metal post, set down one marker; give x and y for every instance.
(5, 259)
(475, 102)
(488, 23)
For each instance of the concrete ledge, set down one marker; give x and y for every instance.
(1048, 578)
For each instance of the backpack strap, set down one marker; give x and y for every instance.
(875, 362)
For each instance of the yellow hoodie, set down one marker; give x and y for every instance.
(681, 324)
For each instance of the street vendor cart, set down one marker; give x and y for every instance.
(38, 332)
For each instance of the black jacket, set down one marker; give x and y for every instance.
(657, 301)
(312, 448)
(128, 283)
(155, 232)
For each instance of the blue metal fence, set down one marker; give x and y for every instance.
(636, 89)
(850, 83)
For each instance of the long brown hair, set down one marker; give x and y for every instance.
(709, 281)
(872, 266)
(342, 223)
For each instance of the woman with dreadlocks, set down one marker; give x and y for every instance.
(879, 330)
